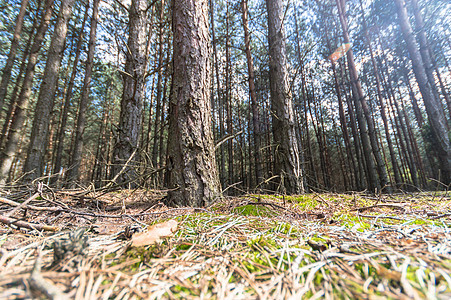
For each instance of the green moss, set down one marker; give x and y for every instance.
(254, 210)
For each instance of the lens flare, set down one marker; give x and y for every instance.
(340, 52)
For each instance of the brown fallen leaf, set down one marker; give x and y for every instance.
(154, 233)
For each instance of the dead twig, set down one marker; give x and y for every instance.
(10, 222)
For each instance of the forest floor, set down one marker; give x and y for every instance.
(345, 246)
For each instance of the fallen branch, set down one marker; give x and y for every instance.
(379, 205)
(23, 224)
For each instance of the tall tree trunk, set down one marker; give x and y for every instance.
(19, 117)
(288, 162)
(191, 167)
(6, 75)
(252, 93)
(228, 99)
(34, 162)
(367, 130)
(425, 53)
(73, 173)
(434, 109)
(126, 154)
(68, 97)
(158, 109)
(18, 82)
(381, 101)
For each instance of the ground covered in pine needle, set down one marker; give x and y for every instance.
(333, 246)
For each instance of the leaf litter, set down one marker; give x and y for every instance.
(129, 245)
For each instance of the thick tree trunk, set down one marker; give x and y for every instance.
(288, 158)
(34, 162)
(191, 167)
(19, 117)
(73, 173)
(126, 155)
(434, 109)
(252, 93)
(6, 75)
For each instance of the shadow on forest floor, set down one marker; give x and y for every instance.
(250, 247)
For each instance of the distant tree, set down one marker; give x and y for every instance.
(6, 75)
(126, 153)
(46, 99)
(434, 109)
(12, 142)
(77, 151)
(191, 167)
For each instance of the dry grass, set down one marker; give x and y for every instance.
(255, 247)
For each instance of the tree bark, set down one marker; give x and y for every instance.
(367, 130)
(67, 98)
(34, 162)
(288, 162)
(191, 167)
(129, 129)
(6, 75)
(434, 109)
(73, 173)
(19, 117)
(252, 93)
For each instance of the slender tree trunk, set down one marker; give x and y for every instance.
(228, 100)
(6, 75)
(77, 150)
(288, 163)
(219, 92)
(381, 101)
(158, 109)
(367, 130)
(18, 83)
(19, 117)
(434, 109)
(252, 93)
(191, 167)
(34, 162)
(126, 153)
(68, 97)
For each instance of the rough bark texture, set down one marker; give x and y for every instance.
(287, 154)
(6, 75)
(191, 167)
(252, 93)
(126, 148)
(19, 117)
(73, 173)
(434, 109)
(36, 150)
